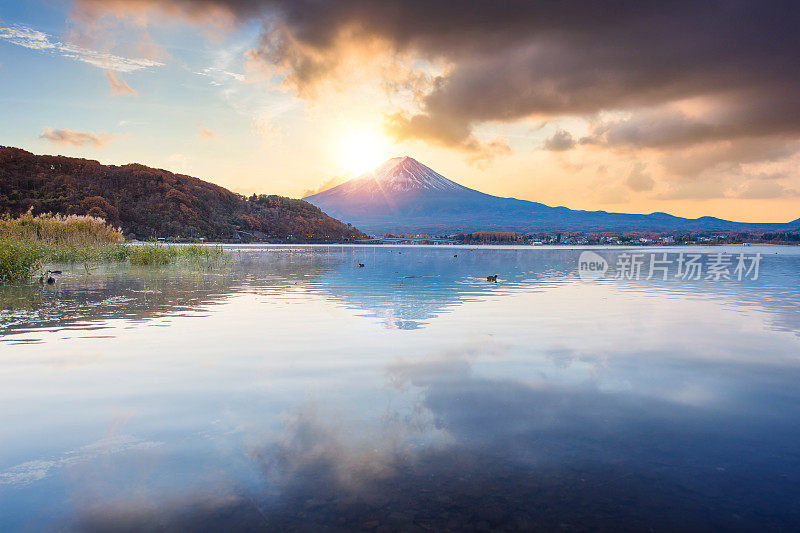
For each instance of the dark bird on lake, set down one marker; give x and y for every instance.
(455, 255)
(492, 278)
(361, 265)
(49, 277)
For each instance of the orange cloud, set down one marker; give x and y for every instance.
(450, 134)
(76, 138)
(142, 12)
(119, 87)
(206, 134)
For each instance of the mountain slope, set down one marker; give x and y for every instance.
(405, 196)
(148, 202)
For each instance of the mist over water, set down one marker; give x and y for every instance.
(294, 390)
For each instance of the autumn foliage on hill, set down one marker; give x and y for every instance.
(148, 202)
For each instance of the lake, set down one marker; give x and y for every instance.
(294, 390)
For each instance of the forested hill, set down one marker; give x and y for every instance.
(147, 202)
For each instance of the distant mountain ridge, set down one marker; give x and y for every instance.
(405, 196)
(148, 202)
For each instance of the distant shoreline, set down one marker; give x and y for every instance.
(482, 245)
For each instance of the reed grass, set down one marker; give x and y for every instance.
(29, 242)
(152, 254)
(69, 230)
(205, 253)
(161, 254)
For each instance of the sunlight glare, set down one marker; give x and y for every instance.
(363, 150)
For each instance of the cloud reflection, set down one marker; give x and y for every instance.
(486, 453)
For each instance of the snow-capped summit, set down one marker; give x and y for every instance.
(402, 174)
(398, 175)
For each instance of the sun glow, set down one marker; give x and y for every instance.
(363, 150)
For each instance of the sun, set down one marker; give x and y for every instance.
(363, 150)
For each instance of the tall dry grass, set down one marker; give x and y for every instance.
(161, 254)
(69, 230)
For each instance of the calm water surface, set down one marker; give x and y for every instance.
(295, 391)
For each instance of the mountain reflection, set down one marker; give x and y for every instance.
(404, 287)
(407, 287)
(401, 287)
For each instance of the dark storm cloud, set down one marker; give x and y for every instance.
(727, 157)
(765, 189)
(543, 58)
(770, 114)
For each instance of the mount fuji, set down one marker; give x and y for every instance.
(405, 196)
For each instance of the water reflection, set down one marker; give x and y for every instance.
(403, 287)
(296, 391)
(489, 454)
(407, 287)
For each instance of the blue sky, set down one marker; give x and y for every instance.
(159, 124)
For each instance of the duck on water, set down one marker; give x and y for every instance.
(48, 276)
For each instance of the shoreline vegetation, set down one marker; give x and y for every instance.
(30, 243)
(594, 238)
